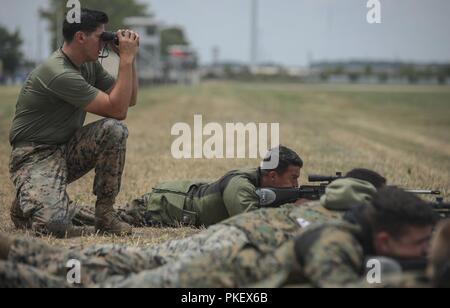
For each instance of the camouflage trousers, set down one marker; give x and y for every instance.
(41, 174)
(32, 263)
(226, 267)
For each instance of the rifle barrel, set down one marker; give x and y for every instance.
(424, 191)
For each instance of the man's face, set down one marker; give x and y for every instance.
(93, 45)
(288, 179)
(413, 243)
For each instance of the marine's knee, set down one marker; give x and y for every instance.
(115, 130)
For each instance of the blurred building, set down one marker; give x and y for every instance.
(267, 69)
(149, 58)
(225, 69)
(181, 65)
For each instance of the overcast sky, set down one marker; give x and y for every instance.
(290, 31)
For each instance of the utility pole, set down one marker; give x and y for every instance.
(215, 55)
(254, 34)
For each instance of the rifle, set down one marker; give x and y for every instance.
(441, 208)
(423, 191)
(275, 197)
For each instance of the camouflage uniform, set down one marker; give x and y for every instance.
(240, 251)
(333, 255)
(32, 263)
(237, 244)
(195, 203)
(41, 174)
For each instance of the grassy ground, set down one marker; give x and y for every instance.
(400, 131)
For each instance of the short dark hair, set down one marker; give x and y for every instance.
(367, 175)
(394, 209)
(90, 21)
(287, 157)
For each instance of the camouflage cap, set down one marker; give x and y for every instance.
(341, 194)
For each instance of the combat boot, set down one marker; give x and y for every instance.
(108, 222)
(20, 222)
(5, 246)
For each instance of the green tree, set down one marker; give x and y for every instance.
(324, 76)
(337, 70)
(117, 10)
(353, 77)
(10, 54)
(410, 72)
(383, 77)
(368, 70)
(172, 36)
(443, 73)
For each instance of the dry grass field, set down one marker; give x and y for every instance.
(402, 132)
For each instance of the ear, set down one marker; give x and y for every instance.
(80, 37)
(272, 175)
(381, 243)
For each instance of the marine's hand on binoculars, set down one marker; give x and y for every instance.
(128, 43)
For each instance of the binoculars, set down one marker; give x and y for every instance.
(110, 37)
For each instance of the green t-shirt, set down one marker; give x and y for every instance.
(50, 107)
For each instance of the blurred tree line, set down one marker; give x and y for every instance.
(10, 54)
(413, 73)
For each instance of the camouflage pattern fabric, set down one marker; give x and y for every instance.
(245, 250)
(267, 249)
(221, 256)
(238, 252)
(41, 265)
(331, 255)
(41, 174)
